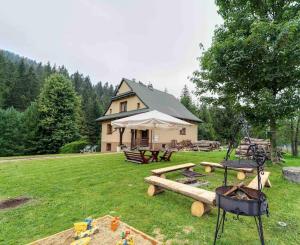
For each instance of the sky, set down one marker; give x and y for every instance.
(153, 41)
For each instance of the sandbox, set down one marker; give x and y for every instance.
(103, 237)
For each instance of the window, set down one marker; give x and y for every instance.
(108, 147)
(123, 106)
(109, 129)
(138, 105)
(182, 131)
(110, 111)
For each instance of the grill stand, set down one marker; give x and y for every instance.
(259, 157)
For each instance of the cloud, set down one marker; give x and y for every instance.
(153, 40)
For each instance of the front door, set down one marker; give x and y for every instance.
(145, 138)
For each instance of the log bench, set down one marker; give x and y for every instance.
(264, 181)
(136, 156)
(210, 166)
(160, 172)
(203, 199)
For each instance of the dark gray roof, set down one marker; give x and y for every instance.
(155, 100)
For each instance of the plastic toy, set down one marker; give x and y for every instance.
(126, 239)
(85, 229)
(115, 223)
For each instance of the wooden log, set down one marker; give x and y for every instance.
(218, 165)
(154, 190)
(264, 179)
(233, 189)
(199, 208)
(241, 175)
(186, 190)
(160, 171)
(208, 169)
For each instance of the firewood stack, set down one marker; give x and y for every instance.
(206, 145)
(242, 150)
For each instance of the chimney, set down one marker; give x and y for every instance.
(150, 86)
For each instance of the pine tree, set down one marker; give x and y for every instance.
(58, 108)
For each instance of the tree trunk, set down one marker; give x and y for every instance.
(297, 136)
(273, 139)
(292, 137)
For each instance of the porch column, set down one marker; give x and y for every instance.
(121, 132)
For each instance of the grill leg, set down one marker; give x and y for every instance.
(258, 222)
(219, 225)
(223, 220)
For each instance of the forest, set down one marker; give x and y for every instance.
(33, 120)
(44, 109)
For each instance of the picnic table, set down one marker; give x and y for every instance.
(154, 154)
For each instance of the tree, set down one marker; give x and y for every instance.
(30, 122)
(254, 61)
(206, 128)
(11, 138)
(187, 101)
(58, 109)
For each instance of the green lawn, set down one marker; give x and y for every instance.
(67, 190)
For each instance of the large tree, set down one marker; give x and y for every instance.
(254, 60)
(58, 110)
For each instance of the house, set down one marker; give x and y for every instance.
(135, 97)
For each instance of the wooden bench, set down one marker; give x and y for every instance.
(136, 156)
(264, 181)
(162, 171)
(203, 199)
(210, 166)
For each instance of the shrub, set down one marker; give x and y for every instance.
(74, 147)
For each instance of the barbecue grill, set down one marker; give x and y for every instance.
(241, 200)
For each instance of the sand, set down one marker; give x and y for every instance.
(103, 237)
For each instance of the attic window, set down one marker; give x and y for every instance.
(123, 106)
(138, 105)
(110, 111)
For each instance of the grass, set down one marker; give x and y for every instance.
(66, 190)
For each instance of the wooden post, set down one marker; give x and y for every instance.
(121, 132)
(241, 175)
(199, 208)
(153, 190)
(208, 169)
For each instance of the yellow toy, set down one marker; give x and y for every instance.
(82, 241)
(80, 227)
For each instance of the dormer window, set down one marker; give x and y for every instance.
(138, 105)
(123, 106)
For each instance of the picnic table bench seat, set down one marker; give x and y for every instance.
(166, 156)
(161, 171)
(203, 198)
(136, 156)
(210, 166)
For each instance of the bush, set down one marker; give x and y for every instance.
(73, 147)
